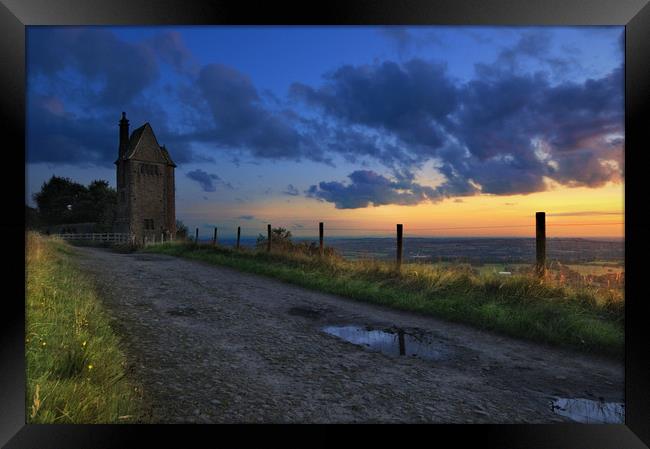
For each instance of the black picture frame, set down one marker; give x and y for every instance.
(633, 14)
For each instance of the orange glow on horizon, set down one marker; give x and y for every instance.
(570, 212)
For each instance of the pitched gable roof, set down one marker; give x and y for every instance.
(143, 145)
(166, 155)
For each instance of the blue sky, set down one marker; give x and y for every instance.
(343, 118)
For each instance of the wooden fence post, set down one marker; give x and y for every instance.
(540, 240)
(268, 238)
(196, 237)
(399, 246)
(214, 237)
(321, 249)
(238, 235)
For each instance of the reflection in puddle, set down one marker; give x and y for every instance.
(390, 342)
(588, 411)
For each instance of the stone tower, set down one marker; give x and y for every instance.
(145, 185)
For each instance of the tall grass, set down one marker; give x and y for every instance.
(523, 306)
(75, 368)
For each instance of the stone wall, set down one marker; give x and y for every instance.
(148, 198)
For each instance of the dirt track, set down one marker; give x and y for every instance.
(211, 344)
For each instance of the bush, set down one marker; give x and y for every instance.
(281, 242)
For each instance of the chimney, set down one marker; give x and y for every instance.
(124, 135)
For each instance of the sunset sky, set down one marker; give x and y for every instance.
(452, 131)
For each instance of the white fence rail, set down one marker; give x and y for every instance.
(110, 237)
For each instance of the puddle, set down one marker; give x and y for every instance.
(182, 311)
(391, 342)
(588, 411)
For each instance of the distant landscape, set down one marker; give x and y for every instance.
(473, 250)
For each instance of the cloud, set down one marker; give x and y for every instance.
(241, 120)
(411, 100)
(507, 131)
(504, 134)
(115, 70)
(291, 190)
(207, 181)
(519, 129)
(533, 46)
(368, 188)
(54, 135)
(246, 217)
(171, 49)
(79, 82)
(405, 39)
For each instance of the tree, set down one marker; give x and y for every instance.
(58, 201)
(280, 238)
(103, 206)
(62, 201)
(181, 230)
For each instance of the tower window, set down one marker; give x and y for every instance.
(148, 223)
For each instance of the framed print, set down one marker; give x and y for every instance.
(357, 213)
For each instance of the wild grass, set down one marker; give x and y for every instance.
(75, 368)
(523, 306)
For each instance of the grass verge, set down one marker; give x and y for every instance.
(522, 306)
(75, 368)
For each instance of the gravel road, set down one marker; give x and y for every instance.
(214, 345)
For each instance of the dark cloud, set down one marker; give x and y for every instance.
(109, 76)
(519, 129)
(171, 49)
(536, 46)
(507, 131)
(503, 134)
(207, 181)
(367, 188)
(242, 121)
(54, 135)
(120, 69)
(412, 100)
(291, 190)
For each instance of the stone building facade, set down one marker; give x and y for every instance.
(145, 185)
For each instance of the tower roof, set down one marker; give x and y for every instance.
(144, 146)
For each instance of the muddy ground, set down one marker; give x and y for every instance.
(214, 345)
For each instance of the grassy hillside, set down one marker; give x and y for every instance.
(75, 369)
(522, 306)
